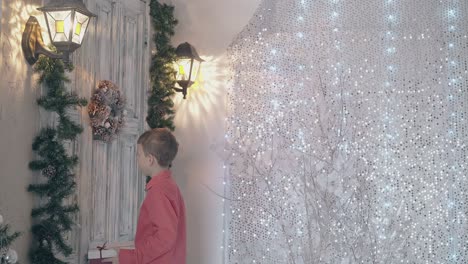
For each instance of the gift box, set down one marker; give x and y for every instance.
(101, 255)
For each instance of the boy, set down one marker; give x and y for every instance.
(161, 235)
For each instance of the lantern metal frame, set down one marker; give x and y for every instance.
(186, 51)
(32, 42)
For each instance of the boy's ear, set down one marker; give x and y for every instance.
(152, 159)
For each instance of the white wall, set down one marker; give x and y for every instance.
(209, 25)
(19, 115)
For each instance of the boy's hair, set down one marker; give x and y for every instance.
(160, 143)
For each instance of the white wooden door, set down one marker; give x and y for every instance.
(110, 189)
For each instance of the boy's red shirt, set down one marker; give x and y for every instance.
(161, 232)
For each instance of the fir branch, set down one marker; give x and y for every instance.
(162, 75)
(54, 218)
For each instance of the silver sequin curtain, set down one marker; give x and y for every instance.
(346, 136)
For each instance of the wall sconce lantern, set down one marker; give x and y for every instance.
(67, 22)
(187, 66)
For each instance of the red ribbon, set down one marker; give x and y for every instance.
(100, 249)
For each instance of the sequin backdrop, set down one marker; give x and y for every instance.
(346, 133)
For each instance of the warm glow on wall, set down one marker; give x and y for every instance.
(205, 97)
(15, 14)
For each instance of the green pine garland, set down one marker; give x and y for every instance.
(162, 74)
(53, 219)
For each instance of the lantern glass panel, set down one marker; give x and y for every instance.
(182, 68)
(79, 27)
(195, 70)
(60, 23)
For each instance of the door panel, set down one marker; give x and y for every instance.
(110, 188)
